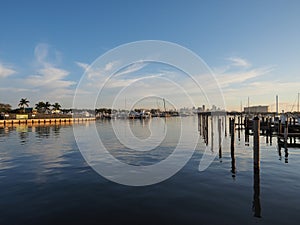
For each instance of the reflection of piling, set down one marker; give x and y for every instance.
(256, 168)
(246, 139)
(256, 196)
(263, 125)
(220, 139)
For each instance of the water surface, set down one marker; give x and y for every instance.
(45, 180)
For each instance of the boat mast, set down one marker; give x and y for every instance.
(298, 102)
(164, 104)
(125, 104)
(248, 106)
(277, 108)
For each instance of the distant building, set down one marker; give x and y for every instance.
(257, 109)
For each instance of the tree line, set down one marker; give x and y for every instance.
(41, 106)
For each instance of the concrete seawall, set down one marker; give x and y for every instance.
(44, 121)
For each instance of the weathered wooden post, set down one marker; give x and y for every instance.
(246, 125)
(263, 124)
(286, 131)
(232, 130)
(267, 130)
(229, 126)
(199, 123)
(279, 127)
(220, 138)
(206, 120)
(203, 126)
(225, 125)
(256, 132)
(256, 168)
(212, 133)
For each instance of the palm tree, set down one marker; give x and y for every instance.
(56, 106)
(40, 107)
(47, 106)
(23, 102)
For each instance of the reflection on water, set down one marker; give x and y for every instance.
(256, 196)
(44, 179)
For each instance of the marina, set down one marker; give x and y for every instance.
(46, 162)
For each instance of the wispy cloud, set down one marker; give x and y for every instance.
(239, 62)
(228, 78)
(132, 68)
(48, 75)
(6, 71)
(82, 65)
(97, 73)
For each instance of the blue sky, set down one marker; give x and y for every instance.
(253, 47)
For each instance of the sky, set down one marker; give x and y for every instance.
(252, 48)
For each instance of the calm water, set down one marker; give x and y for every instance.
(45, 180)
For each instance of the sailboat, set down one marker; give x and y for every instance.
(165, 113)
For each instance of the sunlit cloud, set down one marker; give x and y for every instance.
(48, 75)
(131, 69)
(239, 62)
(6, 71)
(82, 65)
(228, 78)
(47, 81)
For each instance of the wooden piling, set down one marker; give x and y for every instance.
(256, 133)
(232, 130)
(256, 168)
(225, 125)
(220, 138)
(212, 133)
(232, 133)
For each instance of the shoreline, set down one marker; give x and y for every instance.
(45, 121)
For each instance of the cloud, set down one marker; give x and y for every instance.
(84, 66)
(48, 75)
(239, 62)
(94, 72)
(109, 66)
(131, 69)
(229, 78)
(41, 52)
(6, 71)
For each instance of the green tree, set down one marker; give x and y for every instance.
(47, 106)
(56, 106)
(40, 107)
(23, 102)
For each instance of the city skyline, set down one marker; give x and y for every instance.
(251, 47)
